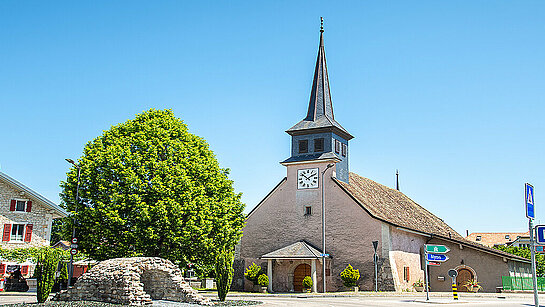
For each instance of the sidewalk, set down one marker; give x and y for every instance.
(414, 295)
(17, 297)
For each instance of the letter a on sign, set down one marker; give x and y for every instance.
(529, 200)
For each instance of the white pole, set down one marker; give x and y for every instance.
(270, 274)
(533, 252)
(426, 277)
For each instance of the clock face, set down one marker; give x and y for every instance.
(307, 178)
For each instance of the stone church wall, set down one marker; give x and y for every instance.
(280, 221)
(488, 267)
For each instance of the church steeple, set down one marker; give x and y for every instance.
(320, 96)
(320, 108)
(319, 137)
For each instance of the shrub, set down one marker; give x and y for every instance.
(263, 280)
(350, 276)
(307, 282)
(252, 273)
(224, 272)
(46, 267)
(63, 271)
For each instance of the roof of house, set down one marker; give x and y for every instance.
(65, 245)
(395, 208)
(495, 238)
(46, 202)
(297, 250)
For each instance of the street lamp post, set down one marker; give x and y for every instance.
(71, 266)
(323, 226)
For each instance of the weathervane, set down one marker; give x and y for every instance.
(322, 24)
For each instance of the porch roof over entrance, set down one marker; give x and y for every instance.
(297, 250)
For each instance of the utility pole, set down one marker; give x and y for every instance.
(71, 265)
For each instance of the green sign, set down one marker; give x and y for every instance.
(438, 249)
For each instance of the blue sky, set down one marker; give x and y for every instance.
(450, 93)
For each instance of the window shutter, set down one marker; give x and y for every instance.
(2, 268)
(406, 275)
(28, 232)
(28, 206)
(7, 232)
(24, 270)
(13, 204)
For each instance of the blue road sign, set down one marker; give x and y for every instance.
(539, 249)
(540, 234)
(436, 257)
(529, 200)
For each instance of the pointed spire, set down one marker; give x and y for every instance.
(320, 95)
(320, 108)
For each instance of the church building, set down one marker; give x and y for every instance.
(283, 233)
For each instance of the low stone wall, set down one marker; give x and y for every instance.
(133, 281)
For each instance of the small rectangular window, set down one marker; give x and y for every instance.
(507, 237)
(406, 275)
(337, 146)
(17, 232)
(318, 145)
(344, 150)
(20, 205)
(303, 146)
(478, 238)
(308, 210)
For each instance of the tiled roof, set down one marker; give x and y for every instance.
(297, 250)
(495, 238)
(395, 208)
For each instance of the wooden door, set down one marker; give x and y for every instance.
(300, 272)
(463, 276)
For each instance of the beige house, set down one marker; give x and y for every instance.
(26, 218)
(283, 233)
(492, 239)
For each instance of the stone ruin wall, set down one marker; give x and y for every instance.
(133, 281)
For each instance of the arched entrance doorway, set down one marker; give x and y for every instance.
(464, 274)
(300, 272)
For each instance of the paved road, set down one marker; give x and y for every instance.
(386, 302)
(518, 300)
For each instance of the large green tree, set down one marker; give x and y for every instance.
(149, 187)
(526, 253)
